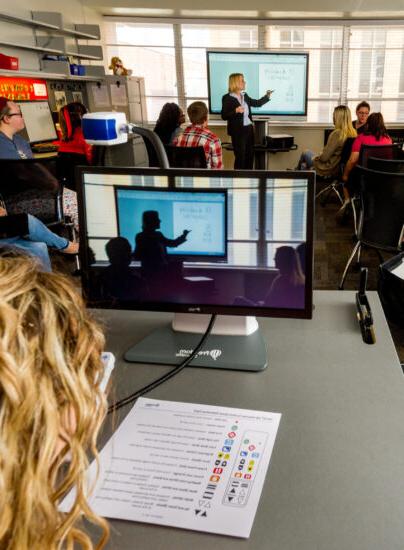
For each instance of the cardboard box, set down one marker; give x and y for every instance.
(8, 62)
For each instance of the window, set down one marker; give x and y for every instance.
(197, 38)
(375, 68)
(369, 64)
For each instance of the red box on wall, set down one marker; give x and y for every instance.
(8, 62)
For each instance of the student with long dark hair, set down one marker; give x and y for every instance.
(375, 134)
(73, 142)
(168, 125)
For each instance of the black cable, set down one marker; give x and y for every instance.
(176, 370)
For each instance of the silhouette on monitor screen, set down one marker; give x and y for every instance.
(234, 243)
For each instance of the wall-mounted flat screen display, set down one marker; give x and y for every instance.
(284, 73)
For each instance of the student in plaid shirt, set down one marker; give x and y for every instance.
(198, 134)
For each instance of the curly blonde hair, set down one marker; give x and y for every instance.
(50, 405)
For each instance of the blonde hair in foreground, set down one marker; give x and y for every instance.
(50, 369)
(343, 122)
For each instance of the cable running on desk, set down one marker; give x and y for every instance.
(176, 370)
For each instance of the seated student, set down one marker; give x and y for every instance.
(13, 146)
(362, 113)
(119, 280)
(52, 405)
(375, 134)
(36, 240)
(168, 125)
(73, 141)
(327, 163)
(73, 148)
(198, 134)
(287, 290)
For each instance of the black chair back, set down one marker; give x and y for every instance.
(346, 150)
(390, 152)
(24, 181)
(154, 147)
(386, 165)
(382, 215)
(65, 168)
(186, 157)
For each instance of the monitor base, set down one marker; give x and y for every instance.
(168, 347)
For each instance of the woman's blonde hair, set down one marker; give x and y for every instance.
(234, 81)
(50, 371)
(343, 122)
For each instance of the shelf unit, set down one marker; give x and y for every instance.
(31, 48)
(46, 26)
(53, 42)
(51, 76)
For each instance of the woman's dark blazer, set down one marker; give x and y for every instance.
(235, 120)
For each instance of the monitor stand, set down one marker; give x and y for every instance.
(235, 343)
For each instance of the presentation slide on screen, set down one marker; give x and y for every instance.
(203, 214)
(285, 74)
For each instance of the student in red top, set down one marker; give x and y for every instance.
(72, 135)
(375, 134)
(199, 135)
(73, 151)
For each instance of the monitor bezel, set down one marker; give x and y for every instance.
(47, 140)
(266, 114)
(171, 174)
(184, 257)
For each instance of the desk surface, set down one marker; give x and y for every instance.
(336, 478)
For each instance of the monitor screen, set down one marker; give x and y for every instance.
(38, 120)
(284, 73)
(228, 242)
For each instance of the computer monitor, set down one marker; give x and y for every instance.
(235, 243)
(286, 73)
(38, 120)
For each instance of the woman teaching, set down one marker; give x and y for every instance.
(236, 109)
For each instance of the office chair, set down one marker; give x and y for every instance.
(154, 147)
(186, 157)
(386, 165)
(381, 218)
(65, 168)
(392, 151)
(31, 186)
(334, 182)
(387, 152)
